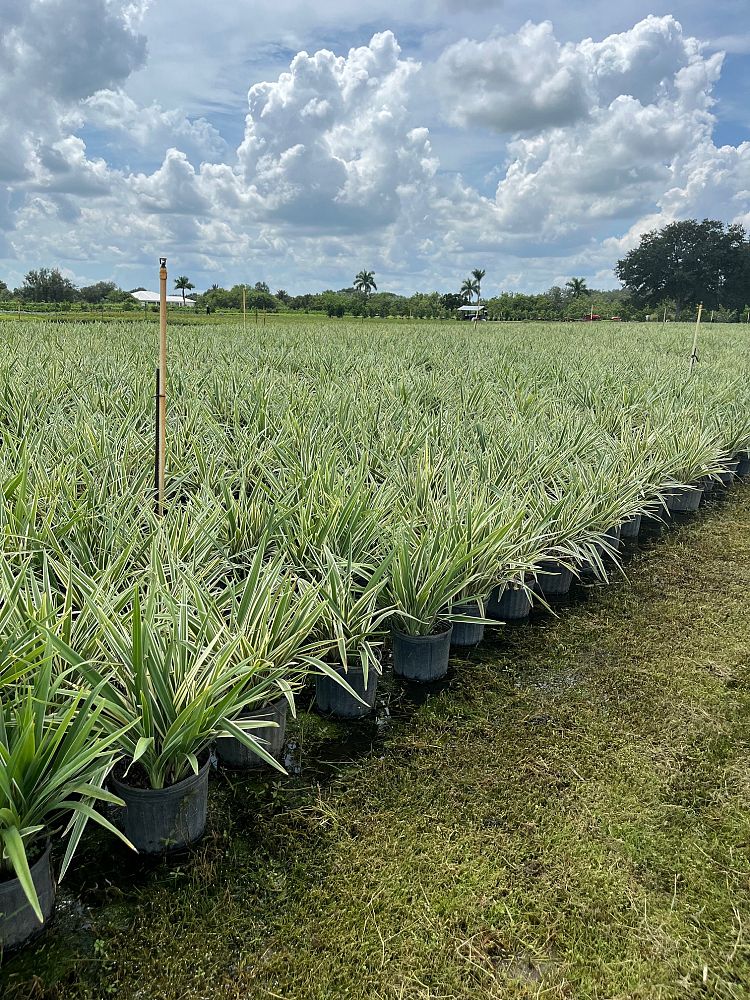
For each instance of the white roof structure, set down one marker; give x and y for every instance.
(175, 300)
(470, 308)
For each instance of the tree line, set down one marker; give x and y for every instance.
(49, 285)
(668, 273)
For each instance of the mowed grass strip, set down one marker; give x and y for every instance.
(568, 819)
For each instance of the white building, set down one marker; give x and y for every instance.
(471, 312)
(172, 300)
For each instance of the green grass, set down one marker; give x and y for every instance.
(569, 818)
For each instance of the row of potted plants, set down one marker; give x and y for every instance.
(119, 704)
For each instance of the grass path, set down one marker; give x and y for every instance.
(570, 818)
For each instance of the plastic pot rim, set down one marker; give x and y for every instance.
(263, 710)
(184, 784)
(430, 635)
(38, 864)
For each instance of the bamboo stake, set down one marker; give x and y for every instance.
(157, 441)
(665, 316)
(162, 380)
(694, 352)
(244, 309)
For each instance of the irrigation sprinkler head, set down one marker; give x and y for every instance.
(163, 263)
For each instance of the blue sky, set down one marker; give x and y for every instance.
(275, 141)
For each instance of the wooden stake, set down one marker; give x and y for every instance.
(665, 315)
(157, 442)
(244, 309)
(694, 352)
(162, 380)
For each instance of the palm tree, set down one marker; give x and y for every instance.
(365, 282)
(469, 288)
(577, 287)
(183, 284)
(478, 274)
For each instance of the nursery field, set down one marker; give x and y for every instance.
(304, 658)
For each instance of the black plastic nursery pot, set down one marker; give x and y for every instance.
(509, 602)
(630, 527)
(684, 499)
(421, 657)
(743, 464)
(235, 754)
(555, 580)
(730, 471)
(332, 699)
(467, 633)
(708, 484)
(613, 536)
(18, 922)
(156, 820)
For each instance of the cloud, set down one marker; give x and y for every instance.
(738, 44)
(528, 81)
(332, 142)
(641, 62)
(53, 53)
(151, 127)
(584, 145)
(64, 168)
(512, 83)
(64, 50)
(638, 147)
(172, 189)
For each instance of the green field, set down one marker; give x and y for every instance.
(565, 815)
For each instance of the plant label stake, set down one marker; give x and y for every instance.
(162, 425)
(694, 352)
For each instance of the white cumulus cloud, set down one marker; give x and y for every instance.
(514, 83)
(332, 142)
(584, 144)
(54, 53)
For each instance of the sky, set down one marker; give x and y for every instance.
(296, 144)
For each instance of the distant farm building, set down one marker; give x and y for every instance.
(153, 297)
(471, 312)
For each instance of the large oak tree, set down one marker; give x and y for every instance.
(689, 262)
